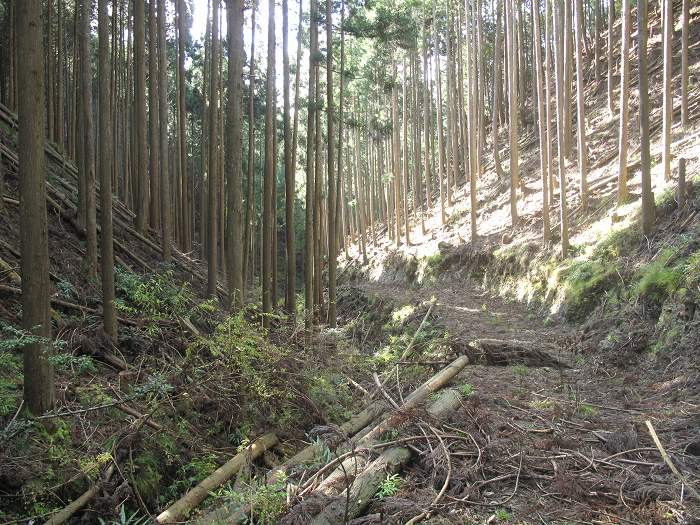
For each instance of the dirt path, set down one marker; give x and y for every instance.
(552, 446)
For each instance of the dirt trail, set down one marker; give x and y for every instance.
(468, 312)
(554, 445)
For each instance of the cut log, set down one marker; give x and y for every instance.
(498, 352)
(364, 487)
(398, 417)
(65, 514)
(234, 514)
(182, 507)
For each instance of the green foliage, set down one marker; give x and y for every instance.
(156, 296)
(503, 515)
(389, 486)
(10, 382)
(331, 393)
(660, 279)
(268, 500)
(79, 365)
(124, 519)
(245, 350)
(585, 410)
(466, 389)
(66, 289)
(586, 282)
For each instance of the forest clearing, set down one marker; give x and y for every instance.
(349, 262)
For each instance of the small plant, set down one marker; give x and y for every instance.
(503, 515)
(520, 370)
(124, 519)
(543, 404)
(390, 486)
(466, 389)
(586, 410)
(66, 289)
(79, 365)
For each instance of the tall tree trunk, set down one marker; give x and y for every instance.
(548, 97)
(38, 370)
(87, 138)
(60, 82)
(596, 42)
(165, 195)
(542, 121)
(213, 180)
(622, 191)
(332, 242)
(249, 257)
(667, 88)
(559, 37)
(234, 154)
(153, 118)
(513, 111)
(269, 180)
(404, 117)
(109, 311)
(141, 176)
(611, 56)
(581, 108)
(645, 161)
(290, 288)
(183, 184)
(309, 213)
(441, 138)
(427, 157)
(684, 63)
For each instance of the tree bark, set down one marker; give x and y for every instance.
(109, 312)
(330, 156)
(611, 56)
(559, 36)
(684, 63)
(213, 179)
(250, 183)
(622, 191)
(141, 175)
(645, 160)
(38, 371)
(234, 155)
(86, 140)
(580, 105)
(667, 88)
(153, 119)
(542, 121)
(513, 113)
(269, 180)
(165, 195)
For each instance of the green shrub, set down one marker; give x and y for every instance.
(659, 280)
(586, 283)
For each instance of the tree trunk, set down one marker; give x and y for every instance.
(269, 181)
(645, 160)
(153, 118)
(622, 191)
(513, 113)
(580, 105)
(165, 196)
(684, 64)
(141, 175)
(290, 288)
(611, 56)
(667, 88)
(248, 257)
(109, 311)
(310, 186)
(542, 121)
(234, 155)
(86, 141)
(213, 179)
(332, 242)
(559, 36)
(38, 371)
(441, 139)
(183, 183)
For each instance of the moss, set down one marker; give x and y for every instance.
(659, 279)
(586, 283)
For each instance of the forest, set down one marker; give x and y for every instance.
(352, 262)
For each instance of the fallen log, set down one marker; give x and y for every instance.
(64, 514)
(182, 507)
(234, 514)
(498, 352)
(398, 417)
(357, 496)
